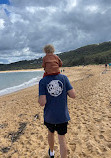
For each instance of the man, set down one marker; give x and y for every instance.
(53, 91)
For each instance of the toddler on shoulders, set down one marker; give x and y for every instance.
(51, 62)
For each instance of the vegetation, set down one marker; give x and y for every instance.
(90, 54)
(31, 64)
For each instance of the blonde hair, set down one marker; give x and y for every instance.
(49, 48)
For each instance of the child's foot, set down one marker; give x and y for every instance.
(50, 154)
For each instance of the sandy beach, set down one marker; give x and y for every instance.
(41, 69)
(23, 135)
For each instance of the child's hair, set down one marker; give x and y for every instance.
(49, 48)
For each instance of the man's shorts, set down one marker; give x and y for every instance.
(60, 128)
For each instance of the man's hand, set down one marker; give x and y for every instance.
(42, 100)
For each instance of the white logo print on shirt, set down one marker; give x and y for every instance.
(55, 88)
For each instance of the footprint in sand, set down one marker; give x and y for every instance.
(101, 136)
(109, 145)
(41, 138)
(73, 147)
(103, 148)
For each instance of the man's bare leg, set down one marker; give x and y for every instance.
(51, 140)
(63, 146)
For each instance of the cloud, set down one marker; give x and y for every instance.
(65, 24)
(2, 24)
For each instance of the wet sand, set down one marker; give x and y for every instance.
(23, 135)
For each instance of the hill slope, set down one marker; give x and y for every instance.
(90, 54)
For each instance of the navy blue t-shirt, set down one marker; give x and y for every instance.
(55, 88)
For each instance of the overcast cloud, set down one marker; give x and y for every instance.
(27, 25)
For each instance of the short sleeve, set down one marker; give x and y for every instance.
(68, 85)
(42, 87)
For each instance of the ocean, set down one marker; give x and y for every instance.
(14, 81)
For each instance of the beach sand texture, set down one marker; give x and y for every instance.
(23, 135)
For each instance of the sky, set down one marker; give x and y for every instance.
(26, 26)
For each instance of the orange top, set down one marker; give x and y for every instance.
(51, 63)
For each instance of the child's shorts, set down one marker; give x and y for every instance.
(60, 128)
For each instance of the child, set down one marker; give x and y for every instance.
(51, 62)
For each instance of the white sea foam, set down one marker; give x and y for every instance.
(30, 83)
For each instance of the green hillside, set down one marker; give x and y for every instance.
(24, 64)
(90, 54)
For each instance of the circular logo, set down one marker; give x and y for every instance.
(55, 88)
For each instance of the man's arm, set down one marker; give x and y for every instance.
(71, 93)
(42, 100)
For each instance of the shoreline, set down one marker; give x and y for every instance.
(19, 91)
(23, 70)
(26, 84)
